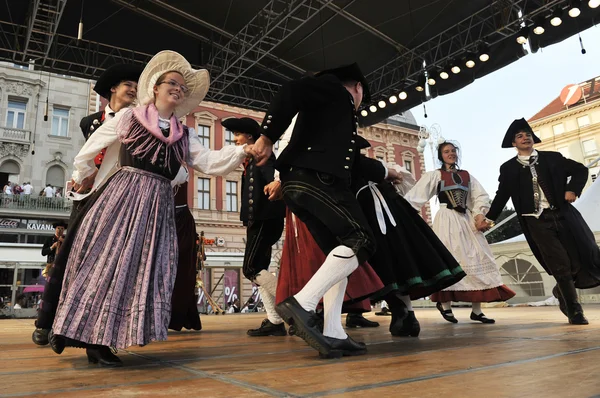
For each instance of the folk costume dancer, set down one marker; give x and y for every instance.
(315, 170)
(301, 258)
(52, 246)
(118, 85)
(121, 270)
(463, 204)
(542, 186)
(263, 220)
(184, 311)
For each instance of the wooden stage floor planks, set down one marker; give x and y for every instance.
(529, 352)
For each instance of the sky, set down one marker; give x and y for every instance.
(478, 115)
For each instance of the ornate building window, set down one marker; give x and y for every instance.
(231, 195)
(15, 114)
(229, 137)
(204, 135)
(203, 193)
(60, 122)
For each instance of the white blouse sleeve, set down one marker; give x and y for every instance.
(284, 141)
(478, 201)
(214, 162)
(103, 137)
(408, 180)
(181, 177)
(423, 190)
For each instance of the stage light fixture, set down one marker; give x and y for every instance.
(393, 99)
(556, 19)
(431, 81)
(523, 35)
(484, 52)
(381, 104)
(373, 108)
(538, 27)
(575, 8)
(402, 95)
(455, 68)
(420, 83)
(364, 113)
(594, 3)
(470, 60)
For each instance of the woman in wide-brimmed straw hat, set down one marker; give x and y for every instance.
(121, 269)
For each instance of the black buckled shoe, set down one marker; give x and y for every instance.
(481, 318)
(410, 326)
(306, 324)
(561, 301)
(384, 312)
(578, 319)
(268, 328)
(40, 336)
(344, 348)
(358, 320)
(58, 342)
(103, 356)
(446, 314)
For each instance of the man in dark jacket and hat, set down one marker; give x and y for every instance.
(264, 224)
(542, 186)
(52, 244)
(118, 84)
(315, 171)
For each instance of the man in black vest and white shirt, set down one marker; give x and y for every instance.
(542, 186)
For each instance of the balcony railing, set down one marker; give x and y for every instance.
(14, 135)
(32, 202)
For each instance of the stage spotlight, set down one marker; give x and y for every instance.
(594, 3)
(420, 83)
(393, 99)
(373, 108)
(364, 113)
(523, 35)
(431, 81)
(574, 8)
(444, 74)
(484, 52)
(538, 27)
(470, 60)
(402, 95)
(381, 104)
(556, 17)
(455, 68)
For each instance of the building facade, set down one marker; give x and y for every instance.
(216, 200)
(39, 139)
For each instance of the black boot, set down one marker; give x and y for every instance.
(40, 336)
(569, 295)
(58, 342)
(561, 301)
(358, 320)
(343, 348)
(409, 327)
(446, 314)
(267, 328)
(102, 355)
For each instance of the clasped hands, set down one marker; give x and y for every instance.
(482, 223)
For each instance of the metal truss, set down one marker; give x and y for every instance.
(491, 25)
(273, 24)
(43, 19)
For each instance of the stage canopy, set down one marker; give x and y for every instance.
(252, 47)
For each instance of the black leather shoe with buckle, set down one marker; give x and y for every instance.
(305, 323)
(268, 328)
(358, 320)
(446, 314)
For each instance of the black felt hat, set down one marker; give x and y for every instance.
(59, 224)
(243, 125)
(350, 73)
(115, 75)
(361, 142)
(516, 127)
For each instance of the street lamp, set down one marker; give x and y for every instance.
(432, 136)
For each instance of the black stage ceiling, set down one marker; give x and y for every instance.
(251, 47)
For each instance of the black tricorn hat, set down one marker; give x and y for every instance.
(350, 73)
(361, 142)
(114, 75)
(243, 125)
(59, 224)
(516, 127)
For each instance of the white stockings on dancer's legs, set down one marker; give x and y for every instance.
(332, 308)
(269, 301)
(476, 308)
(340, 263)
(407, 302)
(268, 289)
(447, 305)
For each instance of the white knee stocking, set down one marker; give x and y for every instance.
(332, 308)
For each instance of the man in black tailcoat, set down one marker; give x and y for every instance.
(315, 171)
(542, 186)
(264, 224)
